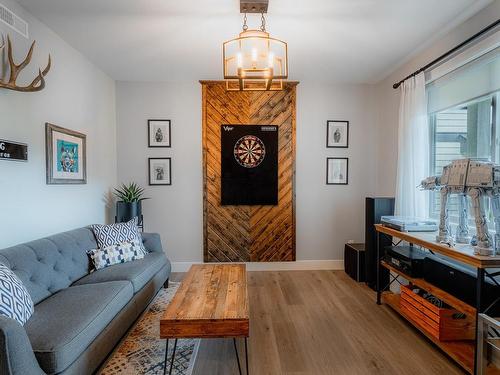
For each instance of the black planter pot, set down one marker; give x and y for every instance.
(126, 211)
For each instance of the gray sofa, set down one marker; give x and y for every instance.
(79, 315)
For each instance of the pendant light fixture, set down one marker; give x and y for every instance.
(254, 60)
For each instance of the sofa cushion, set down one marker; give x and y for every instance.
(113, 234)
(50, 264)
(15, 301)
(138, 272)
(115, 254)
(66, 323)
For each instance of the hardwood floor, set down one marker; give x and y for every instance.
(322, 322)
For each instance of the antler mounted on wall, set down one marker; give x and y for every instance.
(36, 85)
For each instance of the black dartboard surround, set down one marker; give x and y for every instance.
(249, 165)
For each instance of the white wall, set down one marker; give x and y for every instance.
(173, 211)
(78, 96)
(327, 216)
(387, 99)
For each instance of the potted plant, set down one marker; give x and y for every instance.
(129, 202)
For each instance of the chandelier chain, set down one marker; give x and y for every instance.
(245, 26)
(263, 22)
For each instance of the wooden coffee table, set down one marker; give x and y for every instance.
(212, 302)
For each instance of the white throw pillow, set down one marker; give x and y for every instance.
(115, 254)
(15, 301)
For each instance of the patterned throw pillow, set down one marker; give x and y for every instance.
(115, 254)
(15, 301)
(114, 234)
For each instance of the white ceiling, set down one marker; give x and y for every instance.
(358, 41)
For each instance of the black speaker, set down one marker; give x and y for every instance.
(375, 208)
(354, 261)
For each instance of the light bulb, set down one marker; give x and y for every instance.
(239, 59)
(271, 60)
(254, 54)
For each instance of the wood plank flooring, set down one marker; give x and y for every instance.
(322, 322)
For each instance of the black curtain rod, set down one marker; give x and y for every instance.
(450, 52)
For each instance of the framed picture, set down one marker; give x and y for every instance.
(337, 171)
(337, 134)
(160, 171)
(65, 156)
(159, 133)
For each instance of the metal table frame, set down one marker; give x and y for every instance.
(235, 350)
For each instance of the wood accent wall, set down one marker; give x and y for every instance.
(248, 233)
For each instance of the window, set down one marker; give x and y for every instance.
(465, 131)
(464, 120)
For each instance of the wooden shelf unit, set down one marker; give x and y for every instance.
(461, 352)
(441, 294)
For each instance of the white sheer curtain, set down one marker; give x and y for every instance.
(413, 149)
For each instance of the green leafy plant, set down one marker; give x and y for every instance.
(129, 193)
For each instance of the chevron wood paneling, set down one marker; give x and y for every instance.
(248, 233)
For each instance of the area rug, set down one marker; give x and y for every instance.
(143, 352)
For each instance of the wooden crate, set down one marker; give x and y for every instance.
(442, 323)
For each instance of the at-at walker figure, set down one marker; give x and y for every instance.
(476, 179)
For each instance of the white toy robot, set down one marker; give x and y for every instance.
(477, 179)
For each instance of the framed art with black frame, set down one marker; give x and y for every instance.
(159, 133)
(337, 134)
(66, 156)
(160, 171)
(337, 171)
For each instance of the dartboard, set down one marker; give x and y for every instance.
(249, 151)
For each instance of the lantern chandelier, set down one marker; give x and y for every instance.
(255, 61)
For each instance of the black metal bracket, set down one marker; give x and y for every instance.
(396, 243)
(394, 278)
(492, 276)
(491, 305)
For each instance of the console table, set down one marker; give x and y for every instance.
(463, 352)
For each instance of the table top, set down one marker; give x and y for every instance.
(212, 301)
(461, 252)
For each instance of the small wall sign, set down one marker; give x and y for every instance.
(13, 151)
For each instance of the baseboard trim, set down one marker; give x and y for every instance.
(300, 265)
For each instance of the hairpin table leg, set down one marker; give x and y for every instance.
(246, 354)
(172, 359)
(237, 355)
(166, 356)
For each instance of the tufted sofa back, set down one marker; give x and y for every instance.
(50, 264)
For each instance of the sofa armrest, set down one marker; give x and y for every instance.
(152, 242)
(16, 353)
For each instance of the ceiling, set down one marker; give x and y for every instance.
(349, 41)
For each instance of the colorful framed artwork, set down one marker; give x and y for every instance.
(66, 156)
(160, 171)
(337, 171)
(337, 134)
(159, 133)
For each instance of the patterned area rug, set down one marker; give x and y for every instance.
(143, 352)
